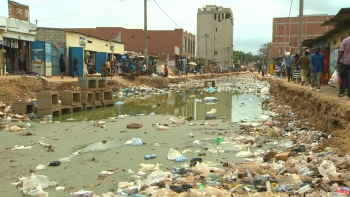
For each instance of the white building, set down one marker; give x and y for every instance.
(16, 36)
(215, 35)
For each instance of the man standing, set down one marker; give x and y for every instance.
(75, 67)
(343, 65)
(316, 69)
(108, 67)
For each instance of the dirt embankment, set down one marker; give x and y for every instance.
(327, 112)
(22, 88)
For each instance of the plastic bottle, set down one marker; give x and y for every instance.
(248, 173)
(304, 189)
(180, 159)
(268, 186)
(150, 156)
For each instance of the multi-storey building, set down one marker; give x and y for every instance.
(285, 33)
(166, 45)
(215, 35)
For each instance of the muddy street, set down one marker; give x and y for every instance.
(297, 133)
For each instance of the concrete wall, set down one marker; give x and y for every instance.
(51, 35)
(335, 40)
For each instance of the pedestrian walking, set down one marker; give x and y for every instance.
(75, 67)
(296, 70)
(316, 69)
(343, 65)
(304, 62)
(62, 66)
(288, 61)
(259, 66)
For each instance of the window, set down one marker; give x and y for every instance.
(216, 29)
(214, 16)
(215, 41)
(89, 41)
(215, 53)
(183, 45)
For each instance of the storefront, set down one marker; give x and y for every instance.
(16, 41)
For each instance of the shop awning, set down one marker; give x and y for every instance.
(19, 36)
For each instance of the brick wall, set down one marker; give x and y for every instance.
(311, 29)
(51, 35)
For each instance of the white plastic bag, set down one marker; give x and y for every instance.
(333, 81)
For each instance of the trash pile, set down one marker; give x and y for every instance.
(293, 165)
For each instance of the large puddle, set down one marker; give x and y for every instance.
(231, 105)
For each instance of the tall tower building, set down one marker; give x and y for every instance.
(215, 35)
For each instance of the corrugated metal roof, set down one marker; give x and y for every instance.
(342, 16)
(340, 22)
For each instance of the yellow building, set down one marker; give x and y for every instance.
(92, 51)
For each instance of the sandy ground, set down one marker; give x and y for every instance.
(82, 172)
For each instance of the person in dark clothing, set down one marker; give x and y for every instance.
(75, 67)
(62, 66)
(259, 66)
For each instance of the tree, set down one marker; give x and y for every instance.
(263, 53)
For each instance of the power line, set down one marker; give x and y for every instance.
(290, 8)
(166, 14)
(111, 17)
(94, 10)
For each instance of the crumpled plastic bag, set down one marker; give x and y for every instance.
(35, 184)
(156, 177)
(82, 193)
(149, 167)
(172, 154)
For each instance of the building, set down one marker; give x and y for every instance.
(285, 33)
(215, 35)
(89, 49)
(167, 45)
(15, 36)
(330, 41)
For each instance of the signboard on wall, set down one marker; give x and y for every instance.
(333, 60)
(18, 11)
(38, 57)
(176, 50)
(82, 41)
(48, 62)
(171, 63)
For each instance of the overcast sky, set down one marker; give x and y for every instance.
(252, 18)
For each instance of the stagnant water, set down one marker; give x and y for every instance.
(232, 106)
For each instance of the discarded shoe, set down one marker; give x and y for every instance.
(54, 163)
(134, 125)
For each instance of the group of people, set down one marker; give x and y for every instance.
(307, 69)
(313, 68)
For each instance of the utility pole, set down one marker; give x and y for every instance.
(206, 51)
(284, 39)
(145, 58)
(300, 33)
